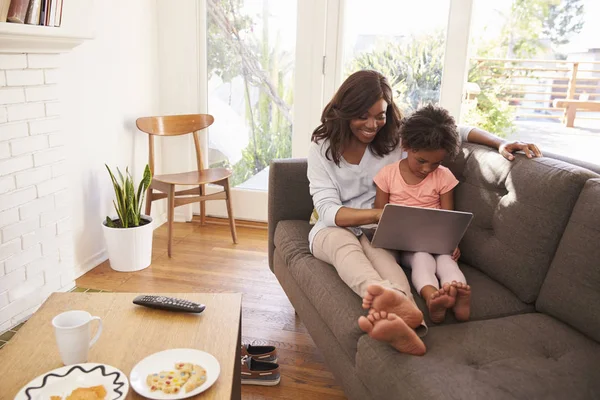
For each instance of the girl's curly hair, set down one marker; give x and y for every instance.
(430, 128)
(355, 96)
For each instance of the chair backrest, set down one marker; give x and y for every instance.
(174, 125)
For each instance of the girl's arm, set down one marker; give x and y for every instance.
(381, 198)
(447, 200)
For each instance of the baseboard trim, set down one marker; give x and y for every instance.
(91, 263)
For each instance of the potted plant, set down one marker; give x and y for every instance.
(128, 236)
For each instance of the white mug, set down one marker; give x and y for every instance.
(73, 331)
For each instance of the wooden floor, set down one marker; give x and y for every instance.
(205, 260)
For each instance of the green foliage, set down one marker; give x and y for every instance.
(564, 20)
(413, 67)
(490, 113)
(128, 203)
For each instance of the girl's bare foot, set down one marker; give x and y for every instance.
(388, 327)
(462, 308)
(439, 301)
(392, 301)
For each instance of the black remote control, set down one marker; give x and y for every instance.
(169, 303)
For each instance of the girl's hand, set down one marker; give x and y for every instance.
(456, 254)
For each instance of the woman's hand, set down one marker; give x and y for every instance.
(456, 254)
(530, 149)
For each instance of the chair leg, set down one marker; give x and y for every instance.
(171, 217)
(230, 211)
(148, 201)
(202, 206)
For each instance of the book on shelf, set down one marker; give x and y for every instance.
(17, 11)
(33, 12)
(4, 6)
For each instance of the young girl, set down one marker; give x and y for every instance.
(428, 136)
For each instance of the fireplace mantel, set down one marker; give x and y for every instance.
(20, 38)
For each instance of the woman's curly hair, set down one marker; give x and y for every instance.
(355, 96)
(430, 128)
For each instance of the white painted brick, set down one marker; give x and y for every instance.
(44, 264)
(26, 288)
(9, 249)
(49, 156)
(2, 78)
(57, 139)
(6, 326)
(25, 111)
(40, 93)
(65, 246)
(20, 228)
(4, 150)
(51, 76)
(52, 280)
(12, 95)
(28, 145)
(9, 217)
(43, 60)
(62, 198)
(67, 277)
(50, 248)
(44, 126)
(25, 315)
(42, 235)
(25, 77)
(3, 114)
(7, 184)
(64, 225)
(53, 109)
(16, 198)
(10, 280)
(52, 217)
(13, 131)
(23, 258)
(13, 61)
(33, 176)
(52, 186)
(15, 164)
(36, 207)
(3, 300)
(60, 169)
(19, 309)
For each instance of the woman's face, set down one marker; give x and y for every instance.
(367, 125)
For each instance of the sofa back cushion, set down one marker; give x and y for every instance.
(571, 291)
(521, 209)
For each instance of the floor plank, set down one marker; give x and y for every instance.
(205, 260)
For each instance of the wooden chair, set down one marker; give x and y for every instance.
(174, 125)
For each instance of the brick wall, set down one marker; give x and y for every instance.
(36, 247)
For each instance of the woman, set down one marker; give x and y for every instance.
(358, 135)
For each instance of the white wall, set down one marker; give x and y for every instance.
(106, 84)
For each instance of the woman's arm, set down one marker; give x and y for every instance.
(504, 147)
(447, 200)
(381, 198)
(326, 197)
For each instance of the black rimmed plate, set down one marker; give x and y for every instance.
(62, 381)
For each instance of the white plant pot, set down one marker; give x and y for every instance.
(129, 249)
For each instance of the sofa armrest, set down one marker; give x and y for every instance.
(289, 197)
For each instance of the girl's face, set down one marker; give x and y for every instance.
(367, 125)
(423, 162)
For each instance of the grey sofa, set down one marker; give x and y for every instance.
(532, 257)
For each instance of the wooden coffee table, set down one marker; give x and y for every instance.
(130, 334)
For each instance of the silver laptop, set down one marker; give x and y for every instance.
(420, 229)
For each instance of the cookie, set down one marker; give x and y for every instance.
(197, 378)
(167, 381)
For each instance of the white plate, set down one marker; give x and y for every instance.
(62, 381)
(165, 361)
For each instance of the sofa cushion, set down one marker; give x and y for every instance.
(489, 299)
(336, 303)
(571, 291)
(530, 356)
(521, 209)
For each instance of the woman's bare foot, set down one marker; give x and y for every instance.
(388, 327)
(392, 301)
(462, 308)
(439, 301)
